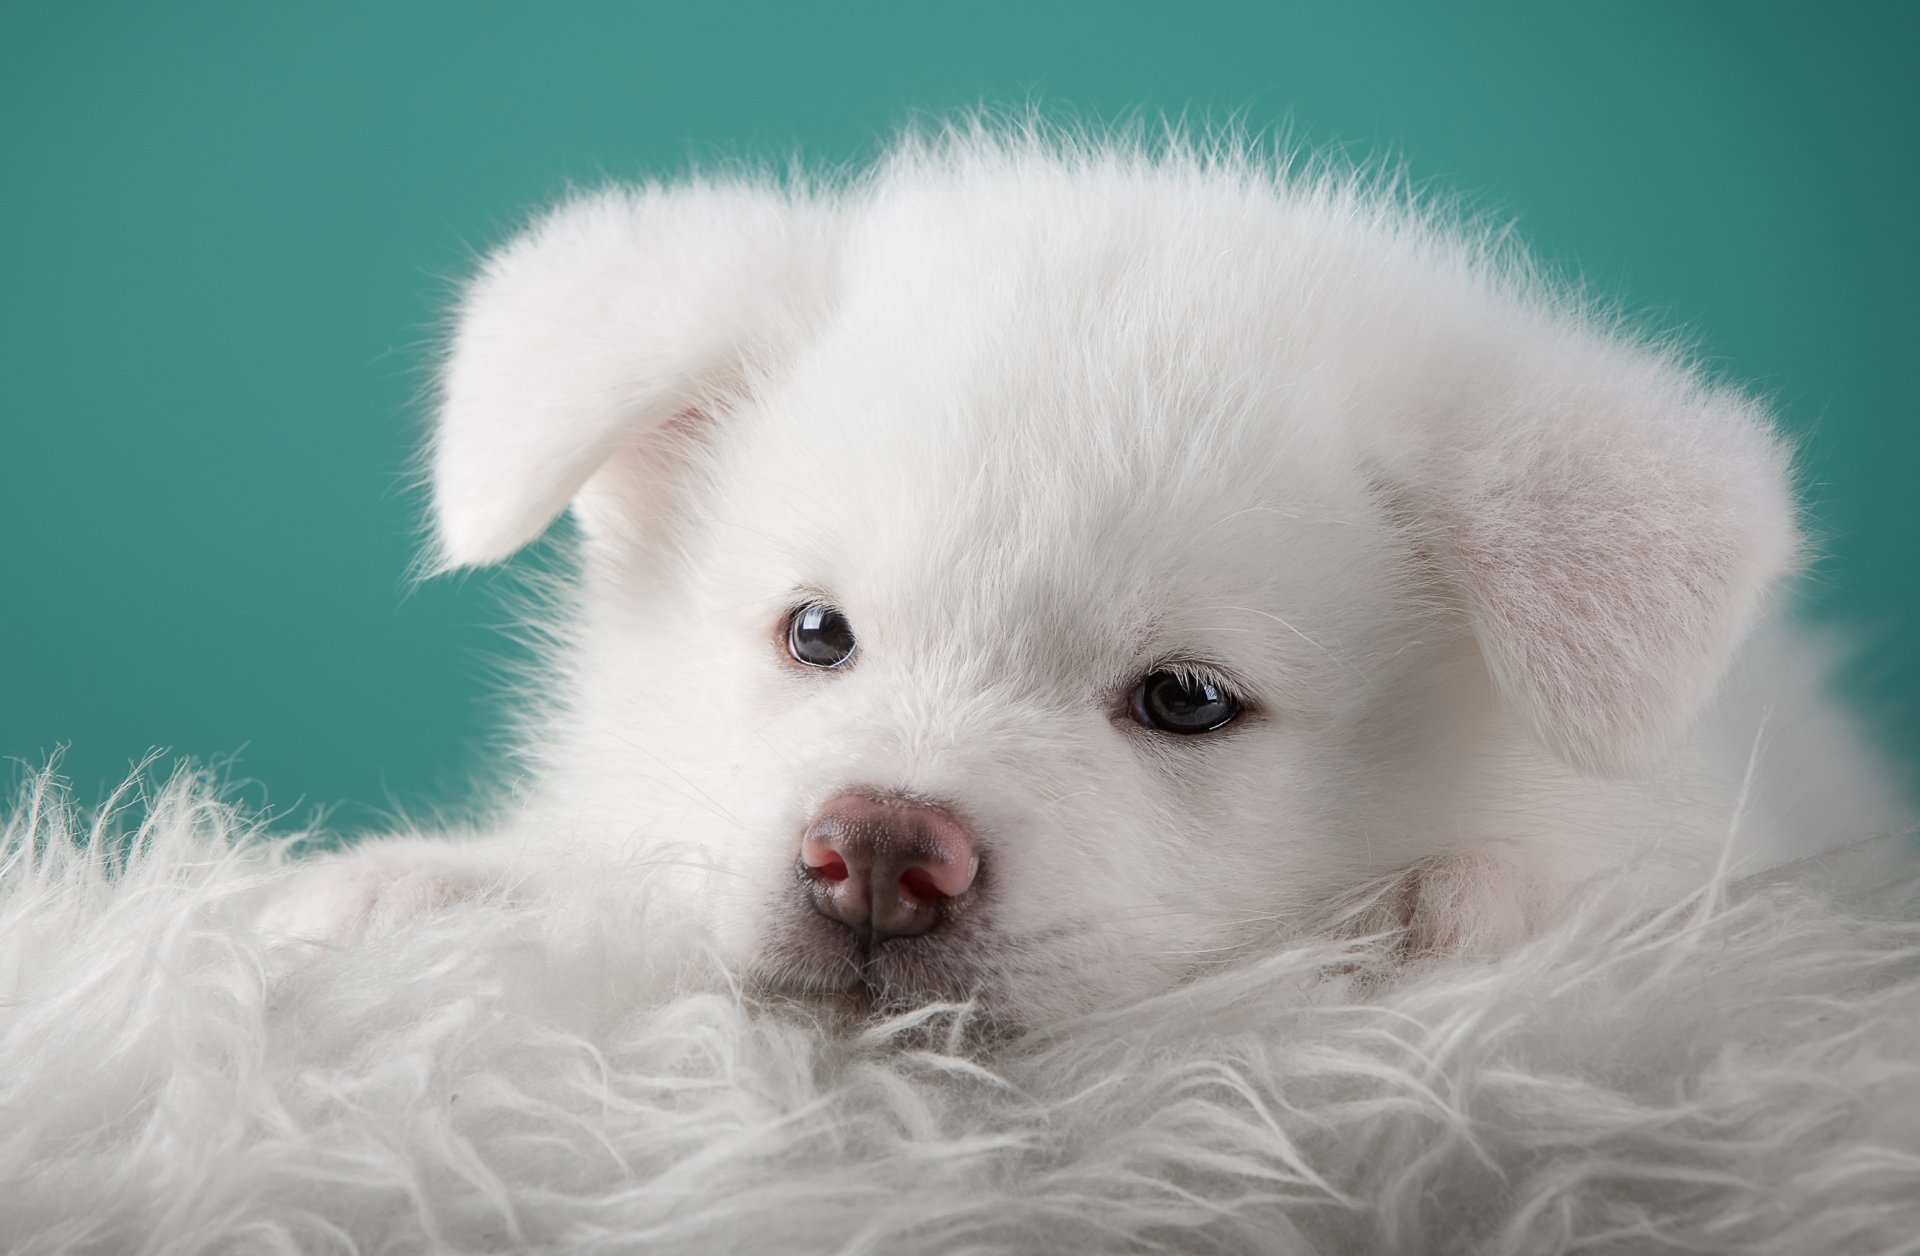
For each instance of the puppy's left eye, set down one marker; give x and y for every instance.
(819, 636)
(1174, 703)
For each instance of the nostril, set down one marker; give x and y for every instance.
(823, 861)
(918, 885)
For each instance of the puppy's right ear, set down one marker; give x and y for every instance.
(612, 315)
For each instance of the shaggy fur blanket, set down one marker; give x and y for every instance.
(1740, 1073)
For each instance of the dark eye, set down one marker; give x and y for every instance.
(819, 636)
(1182, 704)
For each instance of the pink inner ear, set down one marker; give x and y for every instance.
(1475, 905)
(685, 424)
(635, 484)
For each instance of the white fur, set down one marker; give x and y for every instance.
(1041, 416)
(579, 1072)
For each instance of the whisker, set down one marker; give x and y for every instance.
(1284, 623)
(692, 790)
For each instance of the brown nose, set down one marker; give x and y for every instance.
(886, 868)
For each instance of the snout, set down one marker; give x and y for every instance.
(887, 867)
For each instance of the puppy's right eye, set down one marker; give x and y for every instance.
(819, 636)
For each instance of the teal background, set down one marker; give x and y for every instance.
(227, 231)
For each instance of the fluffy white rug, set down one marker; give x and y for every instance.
(1742, 1075)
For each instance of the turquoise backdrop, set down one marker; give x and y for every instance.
(227, 232)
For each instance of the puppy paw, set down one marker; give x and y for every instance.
(341, 901)
(1478, 906)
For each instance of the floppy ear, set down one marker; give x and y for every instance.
(1612, 526)
(612, 315)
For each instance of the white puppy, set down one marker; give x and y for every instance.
(1037, 569)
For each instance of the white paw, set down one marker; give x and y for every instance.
(1479, 906)
(343, 900)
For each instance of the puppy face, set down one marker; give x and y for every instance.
(1037, 577)
(1030, 603)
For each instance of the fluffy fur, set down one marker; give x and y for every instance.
(581, 1072)
(1494, 576)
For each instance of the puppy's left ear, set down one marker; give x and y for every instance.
(615, 314)
(1611, 525)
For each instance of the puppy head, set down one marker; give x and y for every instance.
(1037, 575)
